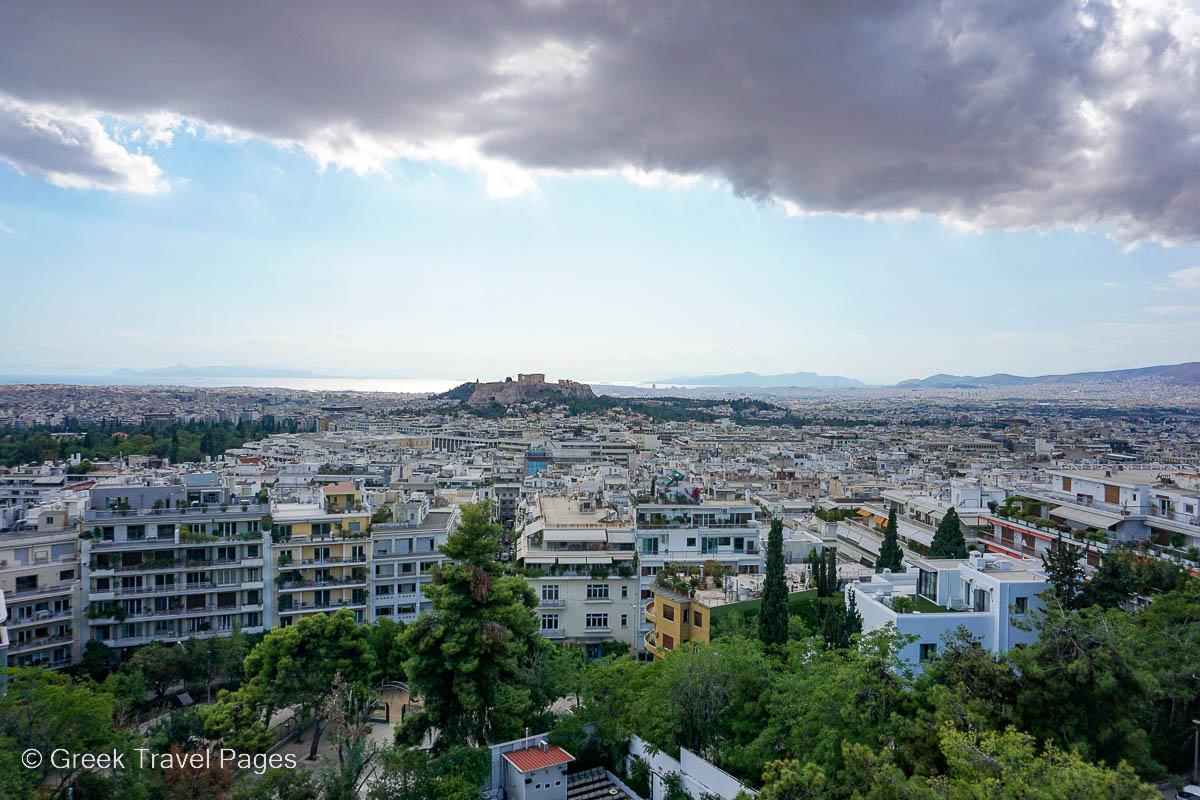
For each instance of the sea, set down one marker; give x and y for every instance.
(405, 385)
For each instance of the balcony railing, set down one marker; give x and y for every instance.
(45, 641)
(55, 588)
(332, 604)
(210, 509)
(649, 610)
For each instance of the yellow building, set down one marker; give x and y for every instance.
(677, 619)
(342, 497)
(320, 562)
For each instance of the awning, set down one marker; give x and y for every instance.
(576, 535)
(572, 560)
(535, 527)
(599, 559)
(539, 561)
(1095, 519)
(620, 537)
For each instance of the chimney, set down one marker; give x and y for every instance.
(545, 747)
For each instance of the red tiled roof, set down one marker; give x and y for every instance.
(536, 758)
(343, 487)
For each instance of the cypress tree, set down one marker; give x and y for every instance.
(831, 578)
(816, 568)
(948, 541)
(1064, 572)
(773, 613)
(890, 556)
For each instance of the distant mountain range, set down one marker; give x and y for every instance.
(803, 380)
(184, 371)
(1186, 374)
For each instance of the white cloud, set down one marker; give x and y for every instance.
(1166, 310)
(71, 149)
(1185, 278)
(5, 228)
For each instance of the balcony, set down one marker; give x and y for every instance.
(553, 633)
(649, 641)
(649, 610)
(557, 602)
(207, 510)
(296, 608)
(39, 617)
(175, 588)
(310, 562)
(37, 644)
(54, 588)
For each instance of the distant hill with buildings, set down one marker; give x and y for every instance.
(526, 388)
(1186, 374)
(803, 380)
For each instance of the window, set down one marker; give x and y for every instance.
(928, 652)
(668, 612)
(1021, 604)
(595, 621)
(697, 619)
(383, 590)
(355, 526)
(549, 591)
(26, 583)
(624, 592)
(597, 591)
(624, 620)
(66, 574)
(685, 616)
(549, 622)
(691, 542)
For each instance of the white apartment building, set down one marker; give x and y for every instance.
(40, 580)
(403, 554)
(158, 567)
(985, 594)
(682, 526)
(586, 579)
(1100, 510)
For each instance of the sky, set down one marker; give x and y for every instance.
(603, 190)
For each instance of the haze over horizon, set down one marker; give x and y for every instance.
(607, 192)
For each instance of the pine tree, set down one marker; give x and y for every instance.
(465, 656)
(773, 613)
(890, 556)
(1062, 568)
(948, 541)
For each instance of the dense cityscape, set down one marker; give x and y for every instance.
(448, 595)
(600, 400)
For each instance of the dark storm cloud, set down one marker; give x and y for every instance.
(989, 114)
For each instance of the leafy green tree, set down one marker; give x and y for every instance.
(467, 654)
(890, 555)
(773, 612)
(948, 540)
(161, 665)
(97, 659)
(46, 710)
(410, 774)
(995, 764)
(281, 784)
(294, 665)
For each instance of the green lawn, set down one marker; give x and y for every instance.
(926, 606)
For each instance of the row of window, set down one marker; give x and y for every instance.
(595, 591)
(553, 622)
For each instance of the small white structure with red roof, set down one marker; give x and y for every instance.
(537, 773)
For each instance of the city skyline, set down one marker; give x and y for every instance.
(512, 196)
